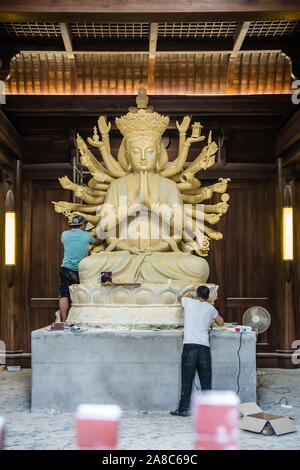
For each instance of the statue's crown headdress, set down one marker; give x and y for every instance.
(142, 121)
(142, 118)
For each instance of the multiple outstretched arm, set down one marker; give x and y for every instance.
(95, 193)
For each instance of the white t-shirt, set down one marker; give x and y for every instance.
(197, 320)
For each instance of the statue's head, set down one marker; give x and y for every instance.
(142, 148)
(143, 153)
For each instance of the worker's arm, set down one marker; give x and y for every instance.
(179, 298)
(219, 320)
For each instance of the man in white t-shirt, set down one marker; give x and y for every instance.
(198, 316)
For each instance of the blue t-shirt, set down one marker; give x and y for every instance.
(76, 244)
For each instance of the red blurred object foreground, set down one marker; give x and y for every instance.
(97, 427)
(2, 432)
(216, 420)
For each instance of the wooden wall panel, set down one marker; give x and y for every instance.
(243, 262)
(248, 240)
(1, 253)
(43, 250)
(296, 265)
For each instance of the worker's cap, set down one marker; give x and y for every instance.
(78, 220)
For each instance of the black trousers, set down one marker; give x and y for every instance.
(194, 357)
(67, 277)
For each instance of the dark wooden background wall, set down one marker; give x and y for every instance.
(245, 264)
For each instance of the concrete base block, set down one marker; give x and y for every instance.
(139, 370)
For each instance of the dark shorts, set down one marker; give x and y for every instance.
(67, 277)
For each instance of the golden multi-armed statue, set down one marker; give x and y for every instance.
(143, 177)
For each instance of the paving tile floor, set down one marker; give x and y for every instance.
(156, 430)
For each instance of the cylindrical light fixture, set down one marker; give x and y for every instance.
(287, 225)
(10, 238)
(287, 235)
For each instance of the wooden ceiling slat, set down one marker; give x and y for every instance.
(229, 75)
(191, 74)
(50, 73)
(237, 77)
(21, 74)
(286, 76)
(165, 74)
(120, 74)
(89, 75)
(43, 74)
(96, 74)
(262, 73)
(279, 72)
(270, 83)
(11, 85)
(156, 86)
(198, 66)
(79, 73)
(128, 74)
(244, 81)
(112, 74)
(173, 72)
(254, 71)
(144, 68)
(136, 72)
(223, 72)
(36, 74)
(243, 72)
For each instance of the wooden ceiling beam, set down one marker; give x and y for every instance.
(114, 105)
(289, 134)
(39, 125)
(66, 36)
(153, 40)
(10, 148)
(240, 35)
(6, 157)
(152, 52)
(292, 155)
(156, 10)
(288, 140)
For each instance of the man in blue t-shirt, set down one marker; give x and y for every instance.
(76, 247)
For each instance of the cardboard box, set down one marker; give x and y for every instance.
(254, 419)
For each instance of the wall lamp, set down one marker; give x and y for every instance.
(287, 235)
(10, 238)
(287, 225)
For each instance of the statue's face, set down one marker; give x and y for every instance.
(142, 153)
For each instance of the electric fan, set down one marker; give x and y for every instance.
(258, 318)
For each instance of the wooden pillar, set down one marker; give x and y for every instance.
(27, 247)
(11, 320)
(285, 275)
